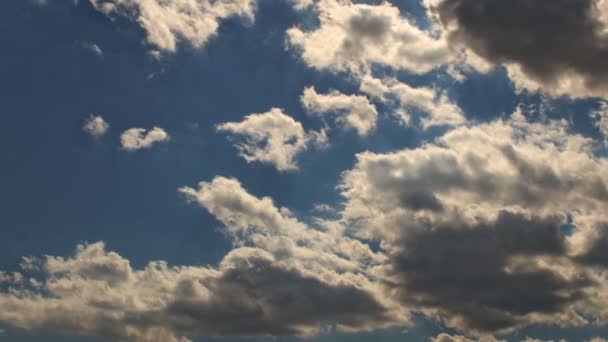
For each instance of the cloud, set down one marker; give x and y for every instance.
(601, 120)
(458, 338)
(96, 126)
(559, 47)
(97, 293)
(352, 37)
(291, 279)
(271, 138)
(480, 245)
(350, 110)
(429, 106)
(135, 139)
(93, 48)
(167, 22)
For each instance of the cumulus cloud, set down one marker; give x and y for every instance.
(427, 105)
(135, 139)
(96, 126)
(352, 37)
(292, 279)
(167, 22)
(273, 138)
(559, 47)
(97, 293)
(352, 111)
(473, 223)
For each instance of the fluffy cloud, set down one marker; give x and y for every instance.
(354, 36)
(168, 22)
(473, 224)
(138, 138)
(293, 279)
(350, 110)
(559, 47)
(426, 104)
(96, 126)
(98, 293)
(272, 138)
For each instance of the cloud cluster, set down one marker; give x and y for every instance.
(601, 120)
(167, 22)
(293, 279)
(135, 139)
(556, 46)
(352, 37)
(354, 111)
(273, 138)
(96, 126)
(474, 224)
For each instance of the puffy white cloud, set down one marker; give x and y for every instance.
(167, 22)
(430, 106)
(139, 138)
(354, 36)
(272, 138)
(350, 110)
(96, 126)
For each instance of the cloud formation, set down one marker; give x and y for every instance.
(473, 224)
(556, 46)
(354, 111)
(135, 139)
(96, 126)
(272, 138)
(292, 280)
(352, 37)
(167, 22)
(428, 106)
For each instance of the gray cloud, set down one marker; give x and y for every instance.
(549, 40)
(463, 272)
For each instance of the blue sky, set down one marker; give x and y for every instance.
(402, 141)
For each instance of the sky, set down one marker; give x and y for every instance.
(304, 170)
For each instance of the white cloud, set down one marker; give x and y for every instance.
(350, 110)
(354, 36)
(139, 138)
(433, 108)
(272, 138)
(96, 126)
(458, 338)
(167, 22)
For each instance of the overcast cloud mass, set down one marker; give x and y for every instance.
(307, 170)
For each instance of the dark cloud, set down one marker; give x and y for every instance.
(547, 38)
(462, 272)
(597, 254)
(262, 298)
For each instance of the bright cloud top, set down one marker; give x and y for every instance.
(168, 22)
(135, 139)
